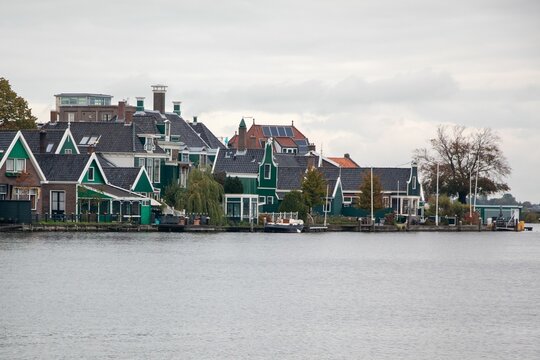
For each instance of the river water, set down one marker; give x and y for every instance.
(270, 296)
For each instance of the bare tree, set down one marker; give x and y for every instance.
(463, 155)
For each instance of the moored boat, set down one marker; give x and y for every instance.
(284, 225)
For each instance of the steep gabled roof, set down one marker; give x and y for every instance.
(52, 139)
(6, 138)
(207, 135)
(123, 177)
(258, 132)
(352, 178)
(344, 162)
(111, 136)
(179, 127)
(232, 161)
(60, 167)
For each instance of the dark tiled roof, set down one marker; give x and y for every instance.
(52, 136)
(145, 123)
(113, 137)
(207, 135)
(59, 167)
(6, 137)
(187, 135)
(231, 162)
(352, 178)
(290, 178)
(122, 176)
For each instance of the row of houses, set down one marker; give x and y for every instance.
(116, 160)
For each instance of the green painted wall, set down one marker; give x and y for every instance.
(98, 176)
(84, 193)
(146, 213)
(250, 185)
(272, 181)
(68, 144)
(143, 185)
(414, 176)
(18, 151)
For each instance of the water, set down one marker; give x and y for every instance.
(270, 296)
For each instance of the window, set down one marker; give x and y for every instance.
(386, 202)
(141, 162)
(105, 117)
(327, 206)
(202, 160)
(71, 116)
(15, 165)
(58, 202)
(3, 192)
(157, 170)
(267, 171)
(84, 140)
(347, 199)
(49, 148)
(91, 173)
(185, 157)
(68, 151)
(261, 199)
(27, 194)
(93, 140)
(414, 182)
(270, 200)
(150, 169)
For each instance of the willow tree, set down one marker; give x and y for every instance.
(464, 157)
(203, 195)
(364, 200)
(14, 111)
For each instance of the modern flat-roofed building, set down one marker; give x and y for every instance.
(76, 107)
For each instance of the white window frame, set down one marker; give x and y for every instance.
(68, 151)
(71, 116)
(91, 173)
(414, 182)
(157, 170)
(270, 200)
(15, 165)
(267, 171)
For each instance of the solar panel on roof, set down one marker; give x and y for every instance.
(273, 131)
(266, 131)
(281, 131)
(301, 142)
(288, 131)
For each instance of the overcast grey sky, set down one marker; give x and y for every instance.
(369, 78)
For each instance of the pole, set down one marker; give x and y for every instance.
(437, 199)
(372, 219)
(470, 193)
(326, 205)
(398, 206)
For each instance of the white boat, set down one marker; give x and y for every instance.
(283, 224)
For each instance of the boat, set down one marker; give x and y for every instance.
(283, 224)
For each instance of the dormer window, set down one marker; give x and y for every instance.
(149, 144)
(91, 173)
(167, 126)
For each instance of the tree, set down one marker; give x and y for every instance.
(233, 185)
(203, 195)
(364, 200)
(294, 201)
(313, 188)
(175, 196)
(461, 155)
(14, 111)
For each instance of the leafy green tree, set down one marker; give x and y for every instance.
(14, 111)
(204, 195)
(461, 154)
(313, 188)
(294, 201)
(447, 207)
(364, 200)
(233, 185)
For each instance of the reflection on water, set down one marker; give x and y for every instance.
(245, 296)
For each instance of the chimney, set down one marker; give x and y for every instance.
(242, 136)
(292, 122)
(54, 116)
(310, 162)
(91, 149)
(42, 140)
(176, 108)
(129, 117)
(194, 120)
(252, 142)
(121, 111)
(140, 103)
(159, 97)
(311, 147)
(347, 156)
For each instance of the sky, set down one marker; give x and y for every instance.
(370, 78)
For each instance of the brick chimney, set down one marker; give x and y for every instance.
(91, 149)
(159, 97)
(121, 111)
(194, 120)
(42, 141)
(242, 136)
(176, 108)
(311, 147)
(54, 116)
(140, 103)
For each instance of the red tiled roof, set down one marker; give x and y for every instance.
(344, 162)
(285, 141)
(256, 131)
